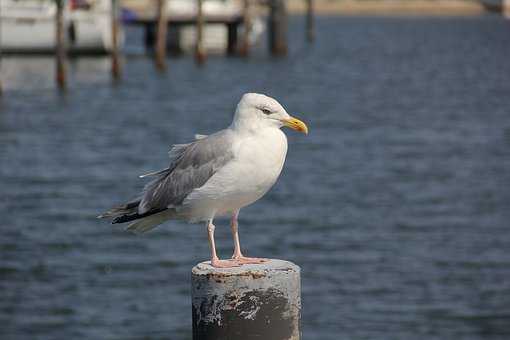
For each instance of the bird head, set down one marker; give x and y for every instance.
(256, 111)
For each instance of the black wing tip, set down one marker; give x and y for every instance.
(126, 218)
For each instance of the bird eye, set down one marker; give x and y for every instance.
(267, 111)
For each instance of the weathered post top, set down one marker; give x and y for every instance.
(253, 301)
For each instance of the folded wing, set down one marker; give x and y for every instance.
(191, 167)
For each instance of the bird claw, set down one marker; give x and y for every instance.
(224, 263)
(248, 260)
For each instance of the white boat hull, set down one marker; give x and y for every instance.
(30, 28)
(215, 35)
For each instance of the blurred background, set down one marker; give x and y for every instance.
(396, 205)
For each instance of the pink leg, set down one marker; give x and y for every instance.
(215, 261)
(238, 256)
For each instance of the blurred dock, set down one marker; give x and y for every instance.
(63, 24)
(237, 25)
(230, 27)
(393, 7)
(175, 22)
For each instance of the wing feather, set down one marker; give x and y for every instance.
(191, 167)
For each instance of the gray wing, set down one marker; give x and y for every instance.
(175, 151)
(191, 167)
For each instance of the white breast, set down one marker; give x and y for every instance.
(258, 162)
(261, 159)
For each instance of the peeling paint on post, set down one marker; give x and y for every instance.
(257, 301)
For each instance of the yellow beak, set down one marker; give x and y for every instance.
(295, 124)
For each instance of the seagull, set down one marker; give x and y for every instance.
(216, 175)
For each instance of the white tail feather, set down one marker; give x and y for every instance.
(154, 173)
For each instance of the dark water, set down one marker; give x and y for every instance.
(396, 206)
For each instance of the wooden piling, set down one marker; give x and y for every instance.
(115, 55)
(310, 21)
(60, 49)
(148, 38)
(162, 28)
(277, 27)
(250, 302)
(200, 49)
(1, 88)
(244, 49)
(231, 39)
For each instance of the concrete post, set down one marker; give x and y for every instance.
(250, 302)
